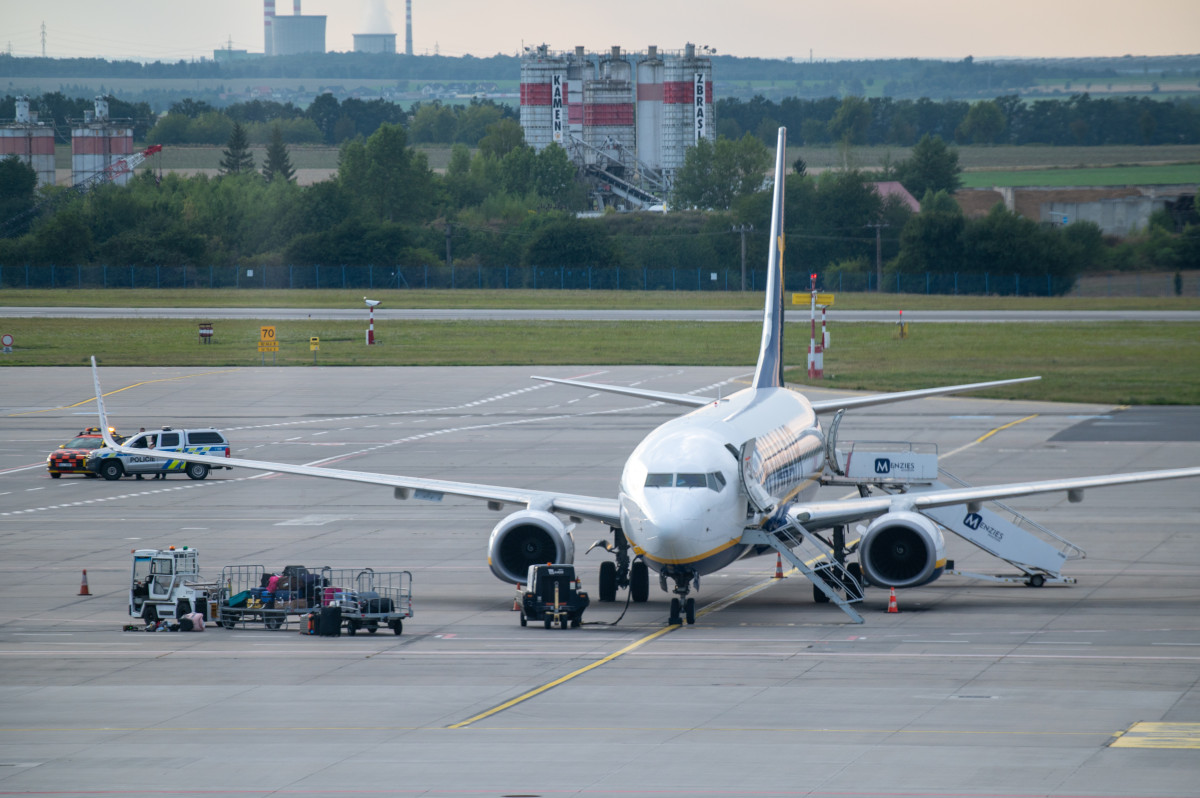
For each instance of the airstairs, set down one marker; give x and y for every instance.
(809, 555)
(902, 467)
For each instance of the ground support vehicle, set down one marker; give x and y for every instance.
(71, 457)
(369, 599)
(166, 585)
(114, 465)
(552, 594)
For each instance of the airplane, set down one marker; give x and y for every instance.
(709, 487)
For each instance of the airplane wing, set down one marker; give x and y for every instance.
(849, 402)
(687, 400)
(822, 515)
(591, 507)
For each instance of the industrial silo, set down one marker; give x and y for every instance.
(650, 109)
(687, 105)
(544, 97)
(96, 142)
(608, 108)
(31, 141)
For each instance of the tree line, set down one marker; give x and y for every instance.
(505, 205)
(1080, 120)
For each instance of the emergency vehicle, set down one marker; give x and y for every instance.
(71, 457)
(114, 465)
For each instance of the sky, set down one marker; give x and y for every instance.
(834, 29)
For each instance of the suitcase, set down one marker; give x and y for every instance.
(330, 624)
(370, 603)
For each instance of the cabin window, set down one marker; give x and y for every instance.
(691, 481)
(659, 480)
(716, 481)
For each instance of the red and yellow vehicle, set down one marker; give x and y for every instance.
(71, 457)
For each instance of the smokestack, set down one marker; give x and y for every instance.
(296, 7)
(268, 18)
(408, 27)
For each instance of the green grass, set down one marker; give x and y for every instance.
(1108, 363)
(1107, 176)
(521, 299)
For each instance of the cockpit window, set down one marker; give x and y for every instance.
(714, 481)
(691, 481)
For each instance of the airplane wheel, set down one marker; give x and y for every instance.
(547, 621)
(854, 591)
(819, 595)
(608, 581)
(639, 581)
(564, 622)
(690, 611)
(673, 620)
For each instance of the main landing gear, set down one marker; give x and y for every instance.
(625, 572)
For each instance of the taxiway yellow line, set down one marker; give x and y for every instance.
(126, 388)
(562, 679)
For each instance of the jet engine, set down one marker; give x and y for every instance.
(525, 538)
(902, 549)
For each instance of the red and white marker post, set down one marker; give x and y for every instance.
(816, 352)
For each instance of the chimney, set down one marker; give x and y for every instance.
(408, 27)
(268, 18)
(296, 7)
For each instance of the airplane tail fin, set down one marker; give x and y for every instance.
(769, 373)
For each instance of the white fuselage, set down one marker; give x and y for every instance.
(683, 506)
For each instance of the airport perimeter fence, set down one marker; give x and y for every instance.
(368, 278)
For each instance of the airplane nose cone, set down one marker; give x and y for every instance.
(664, 527)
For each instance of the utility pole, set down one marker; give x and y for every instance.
(878, 256)
(743, 229)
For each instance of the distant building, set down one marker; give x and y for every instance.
(297, 35)
(375, 43)
(892, 188)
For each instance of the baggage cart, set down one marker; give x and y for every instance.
(368, 599)
(242, 600)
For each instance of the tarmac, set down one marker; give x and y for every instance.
(972, 689)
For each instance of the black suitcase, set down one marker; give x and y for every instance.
(330, 624)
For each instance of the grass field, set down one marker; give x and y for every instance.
(973, 159)
(646, 300)
(1118, 363)
(1105, 176)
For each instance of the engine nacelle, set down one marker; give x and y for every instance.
(902, 549)
(525, 538)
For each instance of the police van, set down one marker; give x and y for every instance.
(114, 465)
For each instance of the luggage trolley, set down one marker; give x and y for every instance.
(243, 600)
(368, 599)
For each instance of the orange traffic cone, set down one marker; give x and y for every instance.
(778, 567)
(517, 599)
(83, 588)
(892, 607)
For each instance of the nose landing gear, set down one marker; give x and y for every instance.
(683, 606)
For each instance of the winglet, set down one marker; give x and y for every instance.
(104, 431)
(769, 373)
